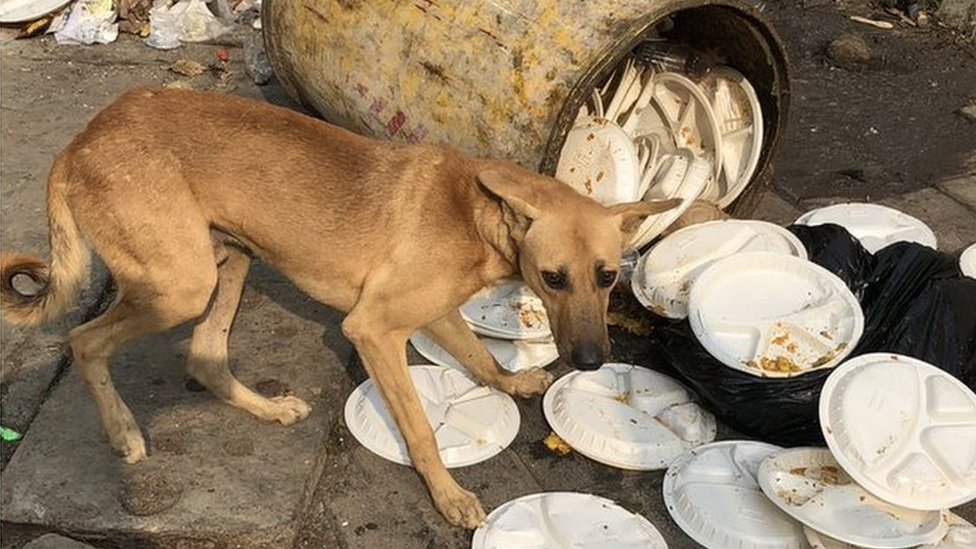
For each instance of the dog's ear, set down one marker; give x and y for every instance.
(632, 214)
(521, 196)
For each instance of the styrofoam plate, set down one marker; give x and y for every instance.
(904, 429)
(961, 535)
(740, 123)
(690, 116)
(22, 11)
(564, 520)
(599, 160)
(682, 176)
(666, 273)
(874, 225)
(967, 261)
(509, 310)
(774, 315)
(627, 416)
(471, 422)
(512, 355)
(809, 485)
(712, 494)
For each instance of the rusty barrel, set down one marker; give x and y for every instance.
(501, 78)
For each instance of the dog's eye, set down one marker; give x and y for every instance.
(606, 278)
(556, 281)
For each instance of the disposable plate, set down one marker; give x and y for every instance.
(626, 416)
(509, 310)
(666, 273)
(961, 535)
(471, 422)
(21, 11)
(690, 116)
(967, 261)
(740, 123)
(513, 356)
(683, 176)
(712, 494)
(564, 520)
(599, 160)
(874, 225)
(809, 485)
(904, 429)
(774, 315)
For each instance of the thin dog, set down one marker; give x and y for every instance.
(177, 190)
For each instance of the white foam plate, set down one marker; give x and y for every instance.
(961, 535)
(809, 485)
(682, 175)
(874, 225)
(690, 116)
(740, 123)
(712, 494)
(627, 416)
(904, 429)
(22, 11)
(564, 520)
(664, 277)
(774, 315)
(512, 355)
(509, 310)
(471, 422)
(599, 160)
(967, 261)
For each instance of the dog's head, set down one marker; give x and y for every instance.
(569, 250)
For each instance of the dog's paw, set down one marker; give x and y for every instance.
(129, 445)
(460, 507)
(290, 409)
(529, 383)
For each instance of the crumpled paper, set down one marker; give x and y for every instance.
(184, 21)
(90, 21)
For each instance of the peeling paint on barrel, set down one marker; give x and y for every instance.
(493, 78)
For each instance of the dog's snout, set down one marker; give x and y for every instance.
(588, 357)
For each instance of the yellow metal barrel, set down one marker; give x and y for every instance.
(500, 78)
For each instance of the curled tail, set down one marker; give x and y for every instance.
(58, 284)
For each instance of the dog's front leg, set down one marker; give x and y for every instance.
(384, 355)
(454, 335)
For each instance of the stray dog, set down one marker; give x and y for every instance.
(176, 190)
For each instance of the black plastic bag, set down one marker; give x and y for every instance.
(915, 302)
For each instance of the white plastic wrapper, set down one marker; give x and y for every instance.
(184, 21)
(90, 21)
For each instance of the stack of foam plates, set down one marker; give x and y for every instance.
(712, 494)
(664, 276)
(684, 176)
(774, 315)
(809, 485)
(564, 520)
(740, 125)
(471, 422)
(967, 261)
(903, 429)
(509, 310)
(961, 535)
(512, 355)
(627, 416)
(874, 225)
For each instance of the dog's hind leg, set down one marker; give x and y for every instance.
(208, 349)
(454, 335)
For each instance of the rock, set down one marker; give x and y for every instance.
(968, 112)
(959, 14)
(54, 541)
(849, 51)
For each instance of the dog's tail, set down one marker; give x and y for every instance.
(56, 285)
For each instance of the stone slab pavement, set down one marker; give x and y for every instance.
(217, 478)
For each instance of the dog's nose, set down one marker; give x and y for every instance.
(588, 357)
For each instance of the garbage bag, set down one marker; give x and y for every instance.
(915, 301)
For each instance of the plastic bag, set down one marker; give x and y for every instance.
(184, 21)
(90, 21)
(915, 301)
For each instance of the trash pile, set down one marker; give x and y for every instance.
(652, 132)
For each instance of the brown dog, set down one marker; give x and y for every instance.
(176, 189)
